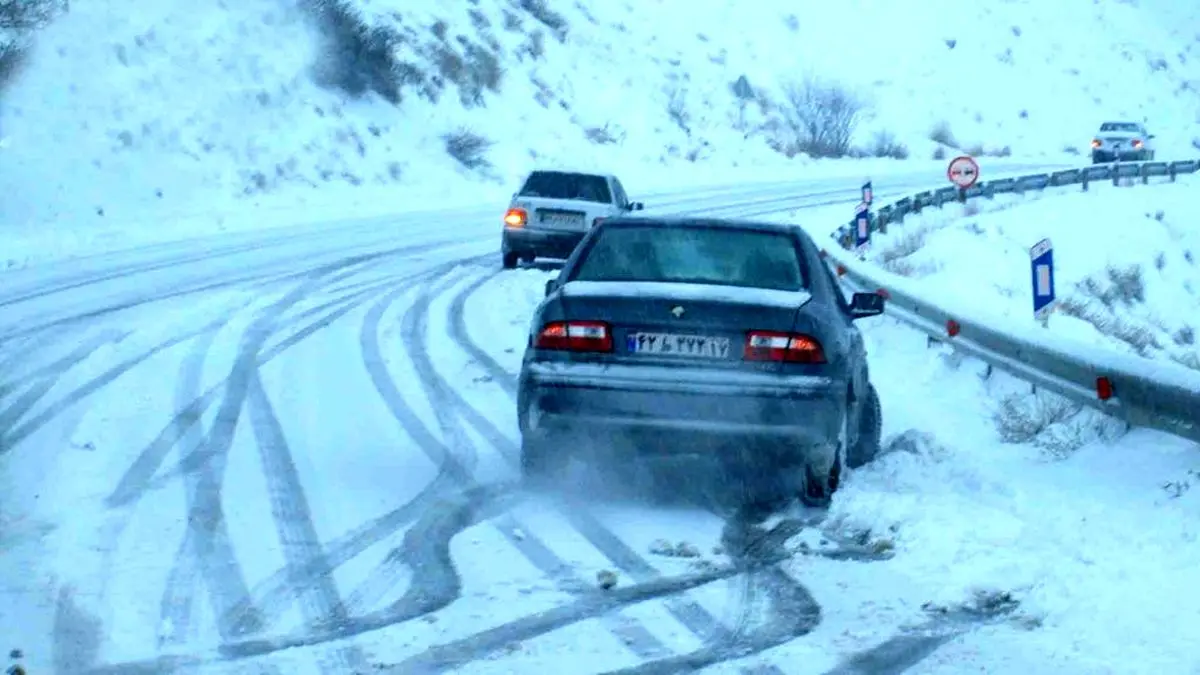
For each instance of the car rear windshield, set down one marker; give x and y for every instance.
(1118, 126)
(573, 186)
(723, 256)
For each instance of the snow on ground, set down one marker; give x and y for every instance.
(133, 122)
(1125, 260)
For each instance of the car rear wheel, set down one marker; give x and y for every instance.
(870, 431)
(818, 485)
(510, 260)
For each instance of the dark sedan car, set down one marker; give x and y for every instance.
(725, 340)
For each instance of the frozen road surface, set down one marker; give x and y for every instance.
(300, 456)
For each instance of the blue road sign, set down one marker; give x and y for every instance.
(1041, 263)
(862, 226)
(868, 195)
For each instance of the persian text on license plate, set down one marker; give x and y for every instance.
(678, 345)
(561, 220)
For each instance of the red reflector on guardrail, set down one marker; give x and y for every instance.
(952, 328)
(1104, 388)
(841, 270)
(883, 293)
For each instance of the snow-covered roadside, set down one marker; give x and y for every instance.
(1092, 538)
(1126, 268)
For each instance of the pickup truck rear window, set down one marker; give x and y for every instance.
(571, 186)
(694, 254)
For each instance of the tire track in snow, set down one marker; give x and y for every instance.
(139, 478)
(206, 541)
(39, 383)
(57, 367)
(177, 606)
(20, 432)
(319, 601)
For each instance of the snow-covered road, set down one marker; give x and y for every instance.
(298, 455)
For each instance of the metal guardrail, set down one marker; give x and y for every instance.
(1139, 391)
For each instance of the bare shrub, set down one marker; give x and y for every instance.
(18, 20)
(1004, 151)
(822, 116)
(903, 246)
(1050, 422)
(976, 150)
(1071, 149)
(941, 134)
(356, 57)
(1185, 337)
(24, 16)
(940, 152)
(534, 47)
(677, 108)
(1141, 339)
(600, 135)
(1187, 360)
(468, 148)
(540, 10)
(884, 144)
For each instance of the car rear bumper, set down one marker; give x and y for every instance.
(675, 408)
(535, 242)
(1124, 155)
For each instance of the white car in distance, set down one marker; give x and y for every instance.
(1122, 141)
(552, 211)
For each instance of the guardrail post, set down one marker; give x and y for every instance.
(1171, 171)
(1145, 174)
(1084, 179)
(1116, 172)
(962, 195)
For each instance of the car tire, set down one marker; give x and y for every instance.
(817, 486)
(870, 431)
(510, 260)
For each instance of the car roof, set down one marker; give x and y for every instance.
(1121, 122)
(701, 222)
(581, 172)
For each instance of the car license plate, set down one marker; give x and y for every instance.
(678, 345)
(562, 220)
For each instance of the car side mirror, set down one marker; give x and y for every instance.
(551, 286)
(637, 206)
(863, 305)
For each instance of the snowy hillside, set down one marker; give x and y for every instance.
(126, 110)
(1126, 263)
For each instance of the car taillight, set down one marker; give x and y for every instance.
(1096, 143)
(575, 336)
(515, 218)
(789, 347)
(1137, 144)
